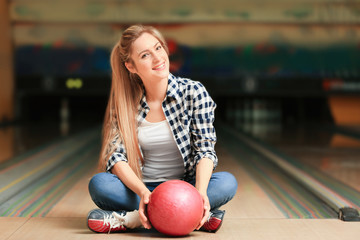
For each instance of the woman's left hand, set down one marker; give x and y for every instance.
(206, 210)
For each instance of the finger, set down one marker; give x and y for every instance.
(142, 211)
(146, 224)
(142, 214)
(144, 220)
(143, 217)
(203, 220)
(205, 217)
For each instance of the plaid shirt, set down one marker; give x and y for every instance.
(189, 110)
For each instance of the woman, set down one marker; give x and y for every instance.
(157, 127)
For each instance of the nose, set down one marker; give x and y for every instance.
(156, 56)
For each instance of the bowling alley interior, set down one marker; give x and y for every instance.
(285, 77)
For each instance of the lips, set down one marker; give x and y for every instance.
(159, 67)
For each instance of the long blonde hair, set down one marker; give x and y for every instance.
(125, 95)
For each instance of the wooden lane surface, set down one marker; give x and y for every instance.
(76, 202)
(9, 225)
(235, 228)
(250, 200)
(67, 219)
(250, 215)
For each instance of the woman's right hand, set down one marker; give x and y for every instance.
(145, 197)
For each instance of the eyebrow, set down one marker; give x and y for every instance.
(148, 49)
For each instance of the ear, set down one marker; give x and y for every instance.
(130, 67)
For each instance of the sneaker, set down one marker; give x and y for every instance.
(214, 222)
(102, 221)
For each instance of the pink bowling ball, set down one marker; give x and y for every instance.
(175, 208)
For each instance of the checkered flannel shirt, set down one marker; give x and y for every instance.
(189, 110)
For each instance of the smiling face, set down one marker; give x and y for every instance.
(149, 59)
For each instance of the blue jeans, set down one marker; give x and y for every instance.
(109, 193)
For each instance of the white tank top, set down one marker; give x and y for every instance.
(162, 157)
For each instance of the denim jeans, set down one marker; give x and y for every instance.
(109, 193)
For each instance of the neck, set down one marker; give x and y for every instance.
(156, 91)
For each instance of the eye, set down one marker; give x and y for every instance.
(158, 47)
(144, 55)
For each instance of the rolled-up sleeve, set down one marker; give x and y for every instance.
(118, 155)
(202, 130)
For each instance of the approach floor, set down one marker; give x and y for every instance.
(268, 205)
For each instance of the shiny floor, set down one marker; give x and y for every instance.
(323, 148)
(20, 138)
(335, 154)
(250, 215)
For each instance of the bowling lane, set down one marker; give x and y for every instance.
(324, 149)
(291, 198)
(251, 201)
(20, 138)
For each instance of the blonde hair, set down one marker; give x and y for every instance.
(125, 95)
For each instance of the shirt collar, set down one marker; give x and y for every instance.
(173, 87)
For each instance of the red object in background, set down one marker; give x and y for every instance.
(177, 63)
(175, 66)
(175, 208)
(332, 84)
(172, 46)
(74, 66)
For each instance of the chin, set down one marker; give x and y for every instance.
(165, 74)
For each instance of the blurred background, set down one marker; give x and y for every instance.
(284, 74)
(273, 67)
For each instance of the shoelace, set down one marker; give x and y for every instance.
(210, 214)
(113, 222)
